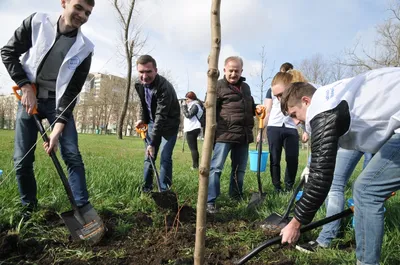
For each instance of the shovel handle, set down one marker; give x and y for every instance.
(142, 131)
(261, 116)
(18, 96)
(277, 240)
(53, 155)
(292, 199)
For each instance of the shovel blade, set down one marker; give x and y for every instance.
(275, 221)
(84, 225)
(255, 200)
(166, 200)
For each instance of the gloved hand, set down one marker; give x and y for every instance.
(305, 173)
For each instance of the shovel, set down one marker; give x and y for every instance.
(306, 228)
(82, 222)
(275, 220)
(163, 199)
(258, 197)
(278, 239)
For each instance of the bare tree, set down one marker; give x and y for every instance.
(261, 73)
(132, 45)
(386, 51)
(210, 105)
(316, 69)
(8, 110)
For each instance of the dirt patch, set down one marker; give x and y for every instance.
(13, 246)
(143, 242)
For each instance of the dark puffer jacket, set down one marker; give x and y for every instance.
(235, 113)
(327, 127)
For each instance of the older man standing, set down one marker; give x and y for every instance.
(234, 132)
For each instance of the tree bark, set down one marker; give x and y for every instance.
(210, 105)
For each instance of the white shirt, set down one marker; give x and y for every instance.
(193, 123)
(374, 105)
(276, 117)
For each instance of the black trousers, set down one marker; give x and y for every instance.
(278, 138)
(191, 138)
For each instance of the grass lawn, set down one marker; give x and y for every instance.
(139, 232)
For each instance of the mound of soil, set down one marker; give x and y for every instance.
(143, 243)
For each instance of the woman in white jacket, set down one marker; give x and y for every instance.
(192, 109)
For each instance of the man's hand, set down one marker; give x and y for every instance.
(139, 124)
(53, 138)
(28, 99)
(150, 151)
(291, 232)
(260, 109)
(304, 137)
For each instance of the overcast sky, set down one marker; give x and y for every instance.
(178, 33)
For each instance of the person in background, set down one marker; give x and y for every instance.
(353, 114)
(160, 110)
(193, 111)
(282, 132)
(56, 58)
(234, 132)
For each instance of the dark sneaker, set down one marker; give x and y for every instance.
(211, 208)
(27, 211)
(309, 247)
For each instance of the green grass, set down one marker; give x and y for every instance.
(114, 171)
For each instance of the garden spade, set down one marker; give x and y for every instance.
(258, 197)
(82, 222)
(310, 226)
(278, 239)
(275, 220)
(163, 199)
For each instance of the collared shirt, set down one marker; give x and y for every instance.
(148, 95)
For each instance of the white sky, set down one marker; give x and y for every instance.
(178, 33)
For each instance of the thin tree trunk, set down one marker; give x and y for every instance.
(210, 105)
(128, 45)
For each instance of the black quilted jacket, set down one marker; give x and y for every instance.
(326, 129)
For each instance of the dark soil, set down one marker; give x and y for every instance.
(143, 243)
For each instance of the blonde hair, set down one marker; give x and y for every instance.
(288, 77)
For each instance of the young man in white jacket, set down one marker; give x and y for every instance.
(360, 113)
(56, 57)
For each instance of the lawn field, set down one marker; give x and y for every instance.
(139, 232)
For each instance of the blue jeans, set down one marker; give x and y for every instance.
(346, 162)
(377, 181)
(239, 156)
(167, 147)
(26, 134)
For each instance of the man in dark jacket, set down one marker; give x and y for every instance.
(234, 132)
(354, 114)
(161, 111)
(56, 57)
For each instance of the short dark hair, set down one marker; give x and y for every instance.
(292, 95)
(90, 2)
(144, 59)
(286, 67)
